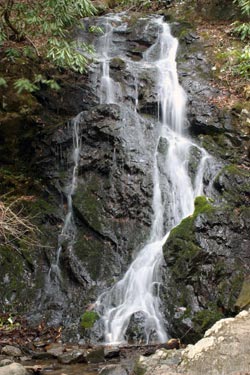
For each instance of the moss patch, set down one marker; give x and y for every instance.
(233, 183)
(88, 319)
(204, 319)
(243, 300)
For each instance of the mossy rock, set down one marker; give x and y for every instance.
(204, 319)
(87, 203)
(89, 251)
(243, 300)
(139, 368)
(117, 63)
(16, 268)
(233, 183)
(88, 319)
(185, 230)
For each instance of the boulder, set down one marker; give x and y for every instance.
(113, 370)
(111, 352)
(225, 348)
(95, 355)
(13, 369)
(11, 351)
(55, 349)
(5, 362)
(73, 356)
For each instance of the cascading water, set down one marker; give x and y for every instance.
(174, 190)
(67, 235)
(108, 88)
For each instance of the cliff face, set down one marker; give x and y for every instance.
(206, 256)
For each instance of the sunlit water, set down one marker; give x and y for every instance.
(68, 231)
(174, 190)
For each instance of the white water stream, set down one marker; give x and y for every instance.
(68, 231)
(138, 290)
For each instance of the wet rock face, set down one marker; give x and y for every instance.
(113, 192)
(207, 259)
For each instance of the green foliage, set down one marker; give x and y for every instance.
(242, 66)
(88, 319)
(47, 27)
(3, 35)
(7, 323)
(48, 82)
(242, 30)
(24, 84)
(12, 54)
(244, 6)
(204, 319)
(237, 61)
(3, 82)
(68, 55)
(137, 4)
(28, 51)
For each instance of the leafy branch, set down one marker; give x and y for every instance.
(47, 27)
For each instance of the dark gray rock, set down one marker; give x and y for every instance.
(96, 355)
(111, 352)
(73, 356)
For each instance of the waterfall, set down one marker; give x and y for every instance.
(68, 231)
(174, 190)
(108, 88)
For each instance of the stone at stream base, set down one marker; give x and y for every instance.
(225, 349)
(96, 355)
(5, 362)
(162, 362)
(13, 369)
(73, 356)
(11, 351)
(113, 370)
(111, 352)
(55, 349)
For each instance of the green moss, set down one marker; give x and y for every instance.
(117, 63)
(90, 252)
(13, 286)
(186, 228)
(139, 369)
(88, 319)
(243, 301)
(182, 244)
(204, 319)
(88, 204)
(233, 183)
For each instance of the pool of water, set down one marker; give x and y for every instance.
(55, 368)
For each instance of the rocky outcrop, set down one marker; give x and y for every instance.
(207, 259)
(223, 350)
